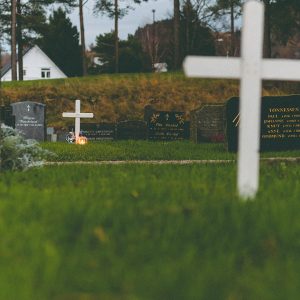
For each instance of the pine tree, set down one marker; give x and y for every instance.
(61, 43)
(112, 9)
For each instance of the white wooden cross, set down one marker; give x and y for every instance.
(77, 115)
(251, 69)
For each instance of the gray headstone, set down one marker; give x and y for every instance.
(208, 123)
(30, 119)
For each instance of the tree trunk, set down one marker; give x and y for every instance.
(19, 40)
(116, 36)
(187, 29)
(0, 63)
(176, 33)
(267, 33)
(13, 41)
(232, 43)
(82, 39)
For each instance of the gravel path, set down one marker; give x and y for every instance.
(168, 162)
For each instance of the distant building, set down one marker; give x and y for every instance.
(160, 67)
(36, 66)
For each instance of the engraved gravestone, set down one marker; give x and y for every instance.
(132, 130)
(97, 132)
(167, 126)
(280, 123)
(30, 119)
(208, 123)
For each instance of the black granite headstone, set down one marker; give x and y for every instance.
(6, 116)
(132, 130)
(30, 119)
(186, 130)
(167, 126)
(280, 123)
(97, 132)
(208, 124)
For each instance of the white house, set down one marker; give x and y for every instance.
(36, 65)
(160, 67)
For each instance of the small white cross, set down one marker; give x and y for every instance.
(77, 115)
(251, 68)
(28, 107)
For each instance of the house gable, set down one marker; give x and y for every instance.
(36, 65)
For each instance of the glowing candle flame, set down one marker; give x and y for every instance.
(82, 140)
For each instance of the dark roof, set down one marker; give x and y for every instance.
(7, 66)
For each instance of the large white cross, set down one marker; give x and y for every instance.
(77, 115)
(251, 68)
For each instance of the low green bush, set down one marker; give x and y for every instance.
(17, 153)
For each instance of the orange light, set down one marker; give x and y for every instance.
(82, 140)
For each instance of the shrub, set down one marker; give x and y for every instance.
(17, 153)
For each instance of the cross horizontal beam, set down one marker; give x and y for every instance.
(78, 115)
(219, 67)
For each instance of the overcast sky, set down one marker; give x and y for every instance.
(141, 15)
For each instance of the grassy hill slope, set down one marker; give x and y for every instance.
(120, 97)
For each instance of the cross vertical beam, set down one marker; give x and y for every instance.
(250, 100)
(251, 69)
(77, 119)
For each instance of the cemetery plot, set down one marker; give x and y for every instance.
(97, 132)
(280, 123)
(30, 119)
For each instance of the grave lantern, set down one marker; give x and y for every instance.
(81, 140)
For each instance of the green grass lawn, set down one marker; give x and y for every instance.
(144, 150)
(148, 232)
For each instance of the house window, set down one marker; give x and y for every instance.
(24, 72)
(45, 73)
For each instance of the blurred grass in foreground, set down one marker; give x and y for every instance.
(148, 232)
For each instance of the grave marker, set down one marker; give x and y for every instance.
(132, 130)
(30, 119)
(6, 115)
(208, 123)
(280, 123)
(251, 69)
(77, 115)
(166, 126)
(97, 132)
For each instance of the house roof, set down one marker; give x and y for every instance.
(7, 66)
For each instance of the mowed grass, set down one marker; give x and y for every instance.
(145, 150)
(136, 150)
(148, 232)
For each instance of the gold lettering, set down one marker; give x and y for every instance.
(284, 109)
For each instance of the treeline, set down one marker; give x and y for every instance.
(194, 28)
